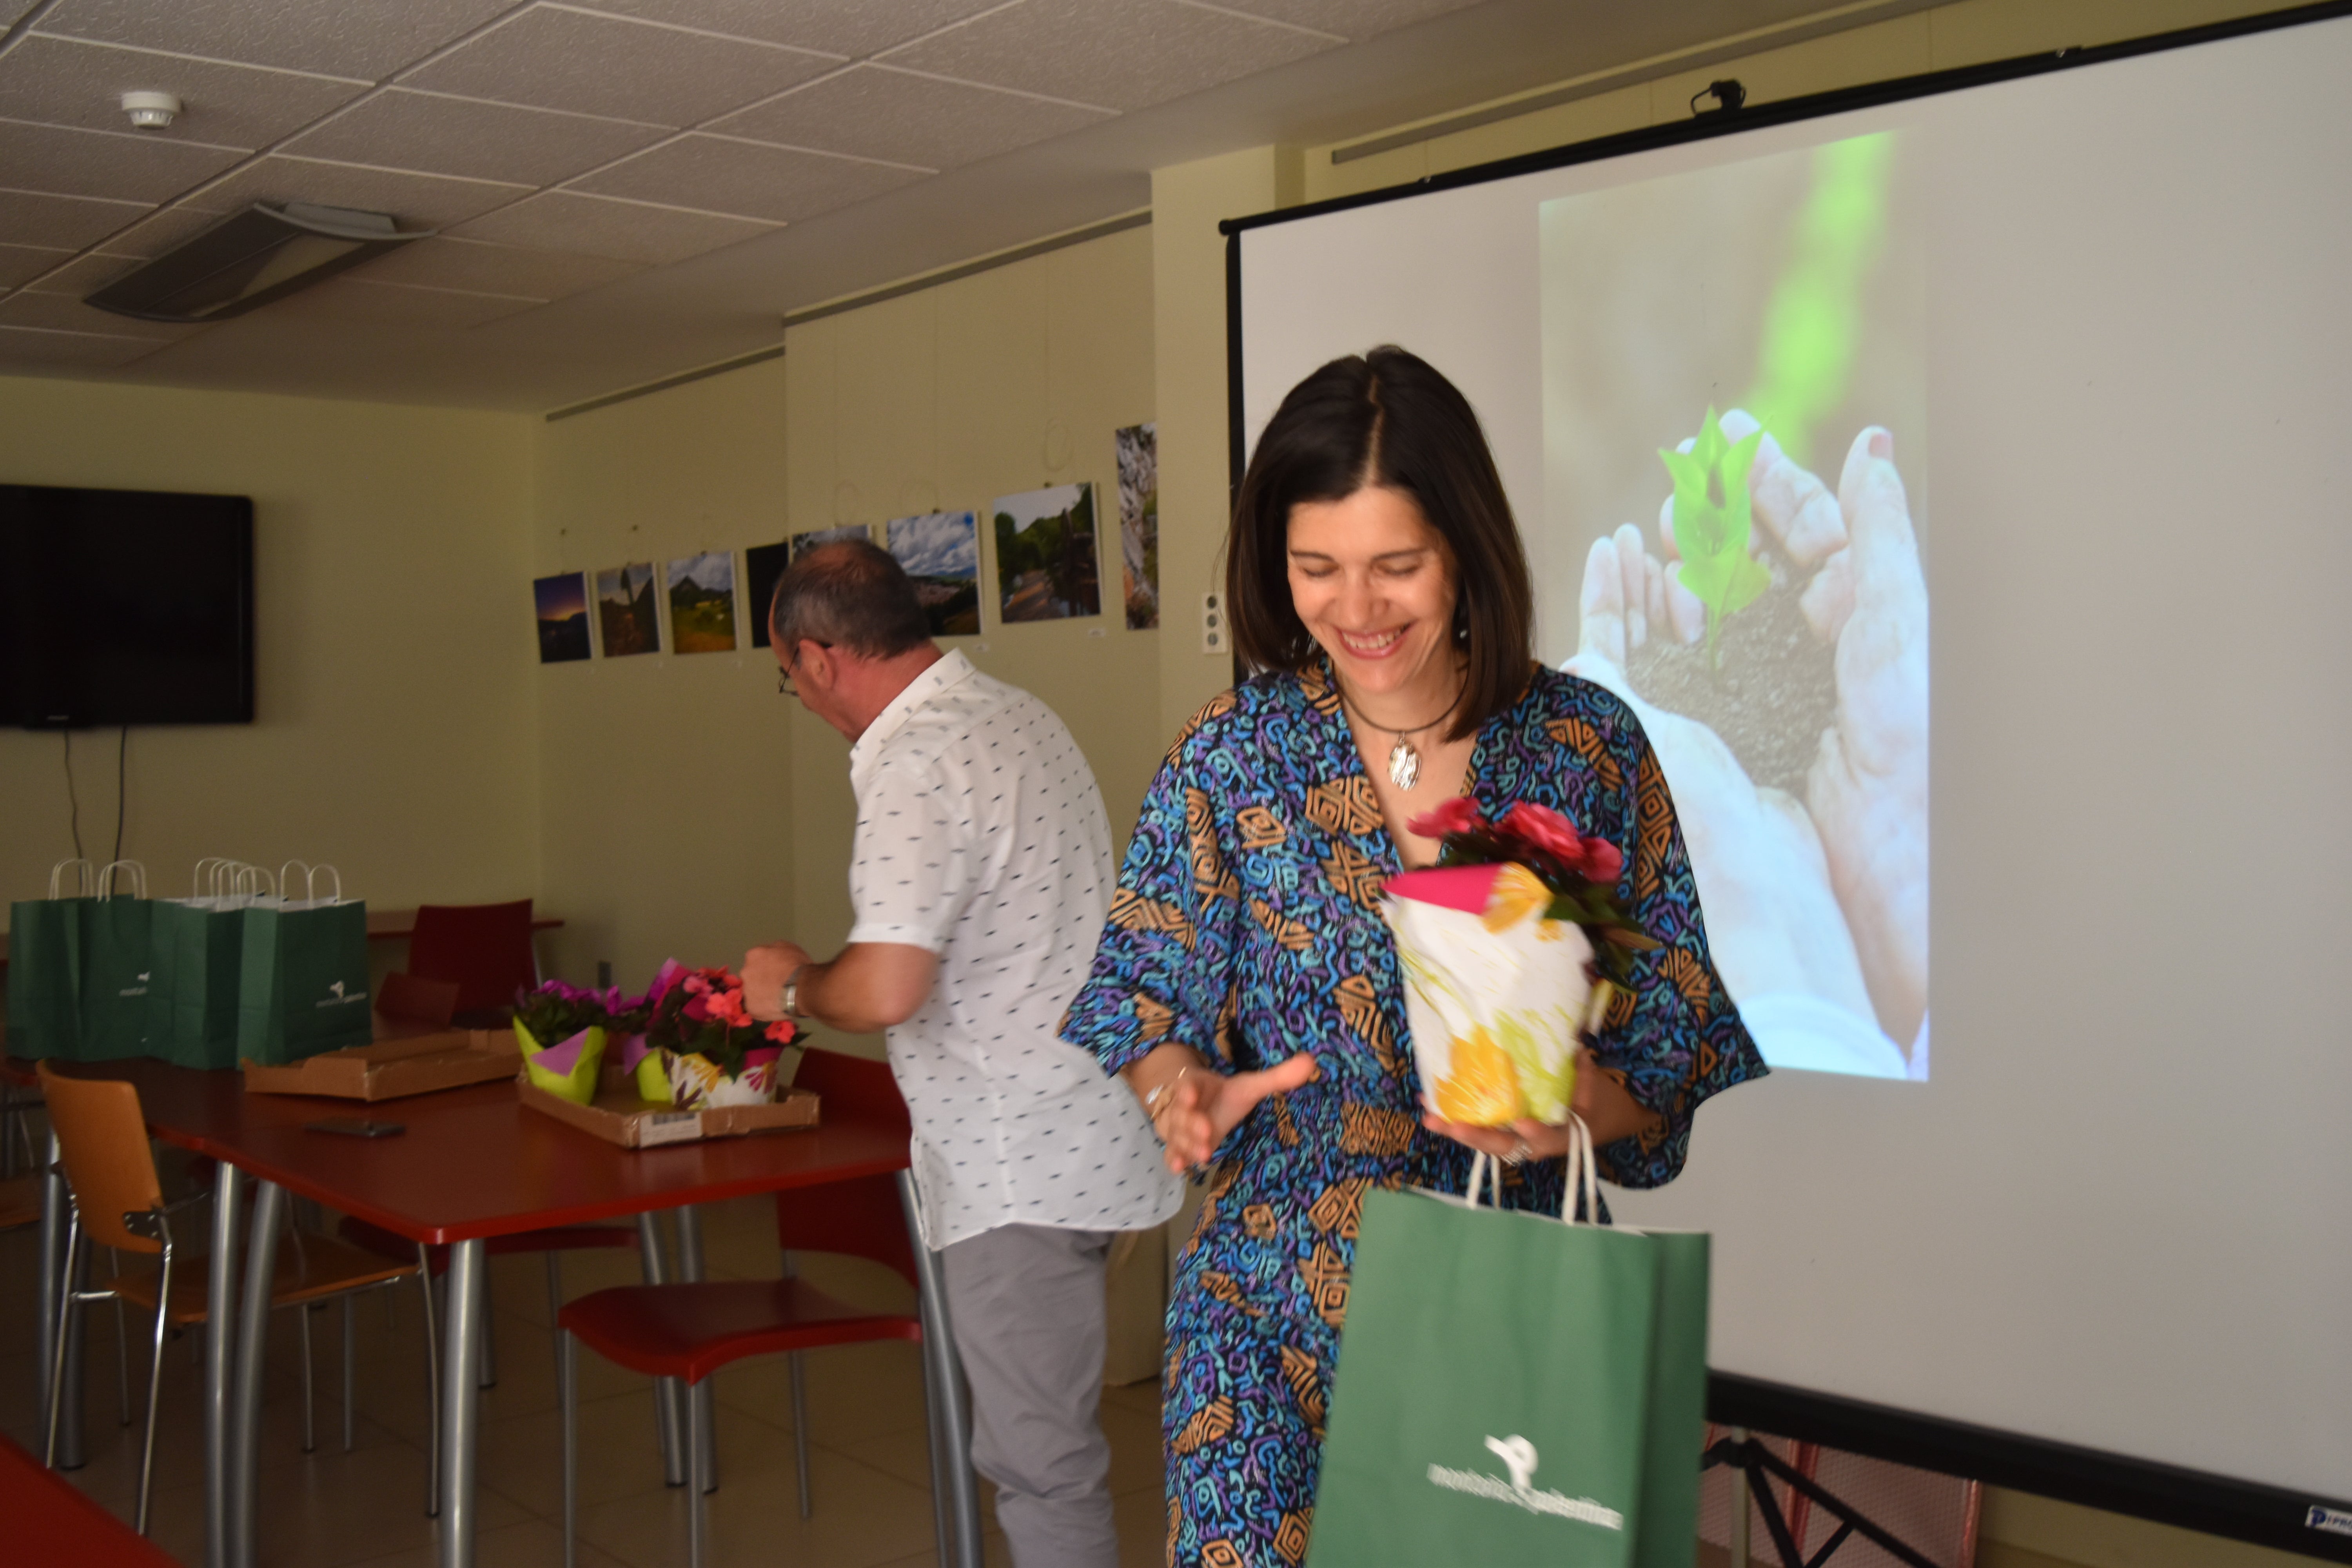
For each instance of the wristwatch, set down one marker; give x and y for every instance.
(793, 995)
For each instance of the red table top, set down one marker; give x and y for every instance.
(474, 1162)
(49, 1520)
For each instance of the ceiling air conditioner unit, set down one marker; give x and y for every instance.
(249, 258)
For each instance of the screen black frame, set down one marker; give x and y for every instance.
(2145, 1489)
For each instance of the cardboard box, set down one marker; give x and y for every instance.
(390, 1069)
(618, 1115)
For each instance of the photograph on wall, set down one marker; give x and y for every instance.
(563, 604)
(1138, 523)
(941, 550)
(1045, 554)
(1735, 485)
(763, 564)
(626, 613)
(805, 543)
(702, 603)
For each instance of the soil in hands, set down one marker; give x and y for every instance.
(1773, 688)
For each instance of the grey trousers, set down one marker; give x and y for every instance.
(1027, 1303)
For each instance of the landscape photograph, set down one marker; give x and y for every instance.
(1045, 567)
(1138, 523)
(626, 613)
(702, 603)
(562, 604)
(941, 550)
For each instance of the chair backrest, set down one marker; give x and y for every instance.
(409, 998)
(108, 1163)
(860, 1218)
(485, 948)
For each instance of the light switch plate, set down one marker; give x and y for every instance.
(1213, 634)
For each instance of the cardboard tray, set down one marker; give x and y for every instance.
(618, 1115)
(390, 1069)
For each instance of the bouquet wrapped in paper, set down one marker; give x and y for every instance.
(1511, 947)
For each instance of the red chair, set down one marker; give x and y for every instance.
(690, 1331)
(485, 948)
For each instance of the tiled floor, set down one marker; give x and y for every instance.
(329, 1509)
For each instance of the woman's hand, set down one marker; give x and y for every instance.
(1600, 1101)
(1193, 1105)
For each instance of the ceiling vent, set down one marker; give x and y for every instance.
(244, 261)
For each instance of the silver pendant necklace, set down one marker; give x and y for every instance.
(1404, 757)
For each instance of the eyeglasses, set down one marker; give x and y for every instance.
(784, 686)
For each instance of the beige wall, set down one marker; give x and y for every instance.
(395, 735)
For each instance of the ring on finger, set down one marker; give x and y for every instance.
(1519, 1153)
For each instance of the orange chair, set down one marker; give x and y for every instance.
(690, 1331)
(118, 1202)
(485, 948)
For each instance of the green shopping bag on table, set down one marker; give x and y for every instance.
(1512, 1389)
(116, 971)
(194, 949)
(302, 977)
(45, 967)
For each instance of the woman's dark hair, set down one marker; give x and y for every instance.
(1385, 419)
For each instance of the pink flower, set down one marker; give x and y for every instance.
(782, 1032)
(696, 985)
(670, 973)
(1546, 830)
(1602, 861)
(1460, 815)
(728, 1007)
(699, 1009)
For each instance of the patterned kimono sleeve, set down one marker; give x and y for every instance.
(1160, 971)
(1675, 1036)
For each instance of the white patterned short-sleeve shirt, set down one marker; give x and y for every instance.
(981, 838)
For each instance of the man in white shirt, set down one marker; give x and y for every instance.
(980, 878)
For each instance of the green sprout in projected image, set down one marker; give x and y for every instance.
(1712, 524)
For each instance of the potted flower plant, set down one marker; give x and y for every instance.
(715, 1053)
(1510, 946)
(561, 1029)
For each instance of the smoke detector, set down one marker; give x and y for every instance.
(150, 111)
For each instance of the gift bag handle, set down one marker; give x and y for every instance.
(286, 881)
(81, 877)
(253, 882)
(1583, 1170)
(138, 879)
(310, 884)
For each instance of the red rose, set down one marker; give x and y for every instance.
(1460, 815)
(1546, 830)
(1602, 861)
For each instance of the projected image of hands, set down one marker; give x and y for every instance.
(1767, 618)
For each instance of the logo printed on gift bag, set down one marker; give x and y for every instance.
(2335, 1520)
(338, 999)
(137, 989)
(1519, 1456)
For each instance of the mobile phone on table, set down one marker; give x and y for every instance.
(356, 1127)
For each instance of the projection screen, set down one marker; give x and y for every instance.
(2065, 355)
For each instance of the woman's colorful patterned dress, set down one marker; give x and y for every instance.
(1247, 923)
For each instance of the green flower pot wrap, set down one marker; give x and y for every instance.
(567, 1069)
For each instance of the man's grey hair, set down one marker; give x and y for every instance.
(852, 594)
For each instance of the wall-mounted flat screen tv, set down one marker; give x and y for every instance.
(125, 608)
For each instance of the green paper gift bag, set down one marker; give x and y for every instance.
(1514, 1390)
(116, 970)
(193, 951)
(45, 967)
(302, 985)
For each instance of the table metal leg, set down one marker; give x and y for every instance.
(949, 1400)
(461, 1402)
(219, 1358)
(669, 1394)
(702, 1406)
(252, 1349)
(49, 1321)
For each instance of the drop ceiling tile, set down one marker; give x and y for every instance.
(20, 264)
(440, 135)
(350, 299)
(366, 41)
(447, 263)
(852, 28)
(67, 313)
(1126, 54)
(621, 231)
(875, 112)
(85, 275)
(746, 178)
(593, 64)
(154, 235)
(417, 201)
(98, 164)
(33, 217)
(64, 81)
(1348, 18)
(30, 348)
